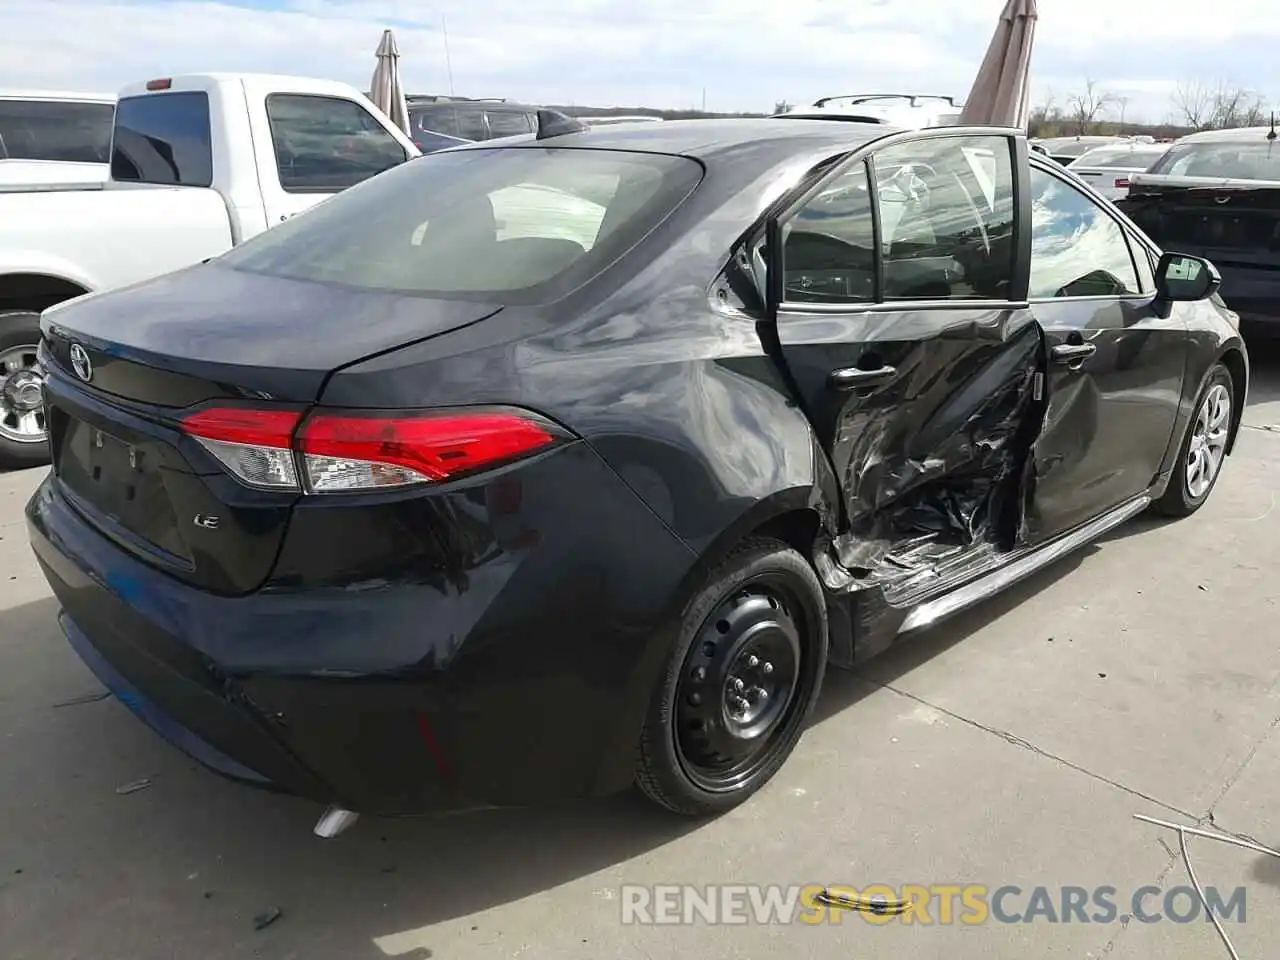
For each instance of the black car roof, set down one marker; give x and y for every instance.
(704, 139)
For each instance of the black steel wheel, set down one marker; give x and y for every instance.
(740, 683)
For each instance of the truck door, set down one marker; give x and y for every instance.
(310, 146)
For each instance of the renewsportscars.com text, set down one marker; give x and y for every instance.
(927, 904)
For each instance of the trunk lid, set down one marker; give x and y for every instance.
(202, 335)
(1235, 222)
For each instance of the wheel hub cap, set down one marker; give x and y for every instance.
(22, 391)
(21, 396)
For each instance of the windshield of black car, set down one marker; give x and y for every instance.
(1222, 160)
(518, 225)
(1125, 158)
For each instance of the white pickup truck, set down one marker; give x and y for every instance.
(199, 163)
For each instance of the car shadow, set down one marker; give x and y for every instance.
(1266, 869)
(844, 688)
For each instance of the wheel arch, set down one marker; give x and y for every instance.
(1233, 359)
(797, 517)
(37, 291)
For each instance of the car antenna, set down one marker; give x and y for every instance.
(553, 123)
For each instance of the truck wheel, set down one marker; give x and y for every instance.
(24, 436)
(740, 683)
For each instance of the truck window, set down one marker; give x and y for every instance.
(163, 138)
(55, 130)
(326, 144)
(437, 118)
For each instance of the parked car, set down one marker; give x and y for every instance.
(908, 111)
(468, 120)
(199, 164)
(53, 137)
(1217, 194)
(483, 484)
(1108, 169)
(1066, 149)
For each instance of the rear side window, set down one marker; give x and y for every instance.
(517, 225)
(469, 122)
(55, 130)
(508, 123)
(433, 119)
(163, 138)
(327, 144)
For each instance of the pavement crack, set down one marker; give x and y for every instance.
(1017, 741)
(1244, 765)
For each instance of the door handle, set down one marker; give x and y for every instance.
(850, 378)
(1073, 352)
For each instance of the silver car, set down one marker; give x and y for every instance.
(1107, 169)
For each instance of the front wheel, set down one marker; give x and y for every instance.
(24, 434)
(740, 683)
(1203, 449)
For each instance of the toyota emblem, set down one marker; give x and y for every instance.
(81, 363)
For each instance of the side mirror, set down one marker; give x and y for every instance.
(1181, 278)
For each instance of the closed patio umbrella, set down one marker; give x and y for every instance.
(385, 91)
(1001, 92)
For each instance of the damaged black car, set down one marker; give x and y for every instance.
(532, 470)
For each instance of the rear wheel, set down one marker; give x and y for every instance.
(740, 683)
(1204, 447)
(24, 435)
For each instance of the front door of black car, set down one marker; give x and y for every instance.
(900, 329)
(1115, 367)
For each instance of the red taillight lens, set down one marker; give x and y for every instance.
(253, 445)
(337, 451)
(1122, 183)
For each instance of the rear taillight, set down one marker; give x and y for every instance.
(1122, 183)
(337, 451)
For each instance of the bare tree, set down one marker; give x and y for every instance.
(1193, 104)
(1220, 106)
(781, 106)
(1085, 108)
(1123, 104)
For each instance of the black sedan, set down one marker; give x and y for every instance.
(528, 471)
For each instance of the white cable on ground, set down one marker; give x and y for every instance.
(1183, 832)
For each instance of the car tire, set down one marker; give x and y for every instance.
(19, 446)
(740, 682)
(1205, 442)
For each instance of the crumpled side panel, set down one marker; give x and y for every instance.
(936, 460)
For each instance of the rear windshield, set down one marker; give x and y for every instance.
(163, 138)
(520, 225)
(1236, 160)
(55, 130)
(1119, 157)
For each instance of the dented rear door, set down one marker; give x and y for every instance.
(1114, 378)
(916, 368)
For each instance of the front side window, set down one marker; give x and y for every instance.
(327, 144)
(163, 138)
(436, 118)
(946, 218)
(55, 130)
(512, 225)
(1077, 249)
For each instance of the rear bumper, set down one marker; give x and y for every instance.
(370, 698)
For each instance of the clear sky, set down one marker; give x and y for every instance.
(745, 54)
